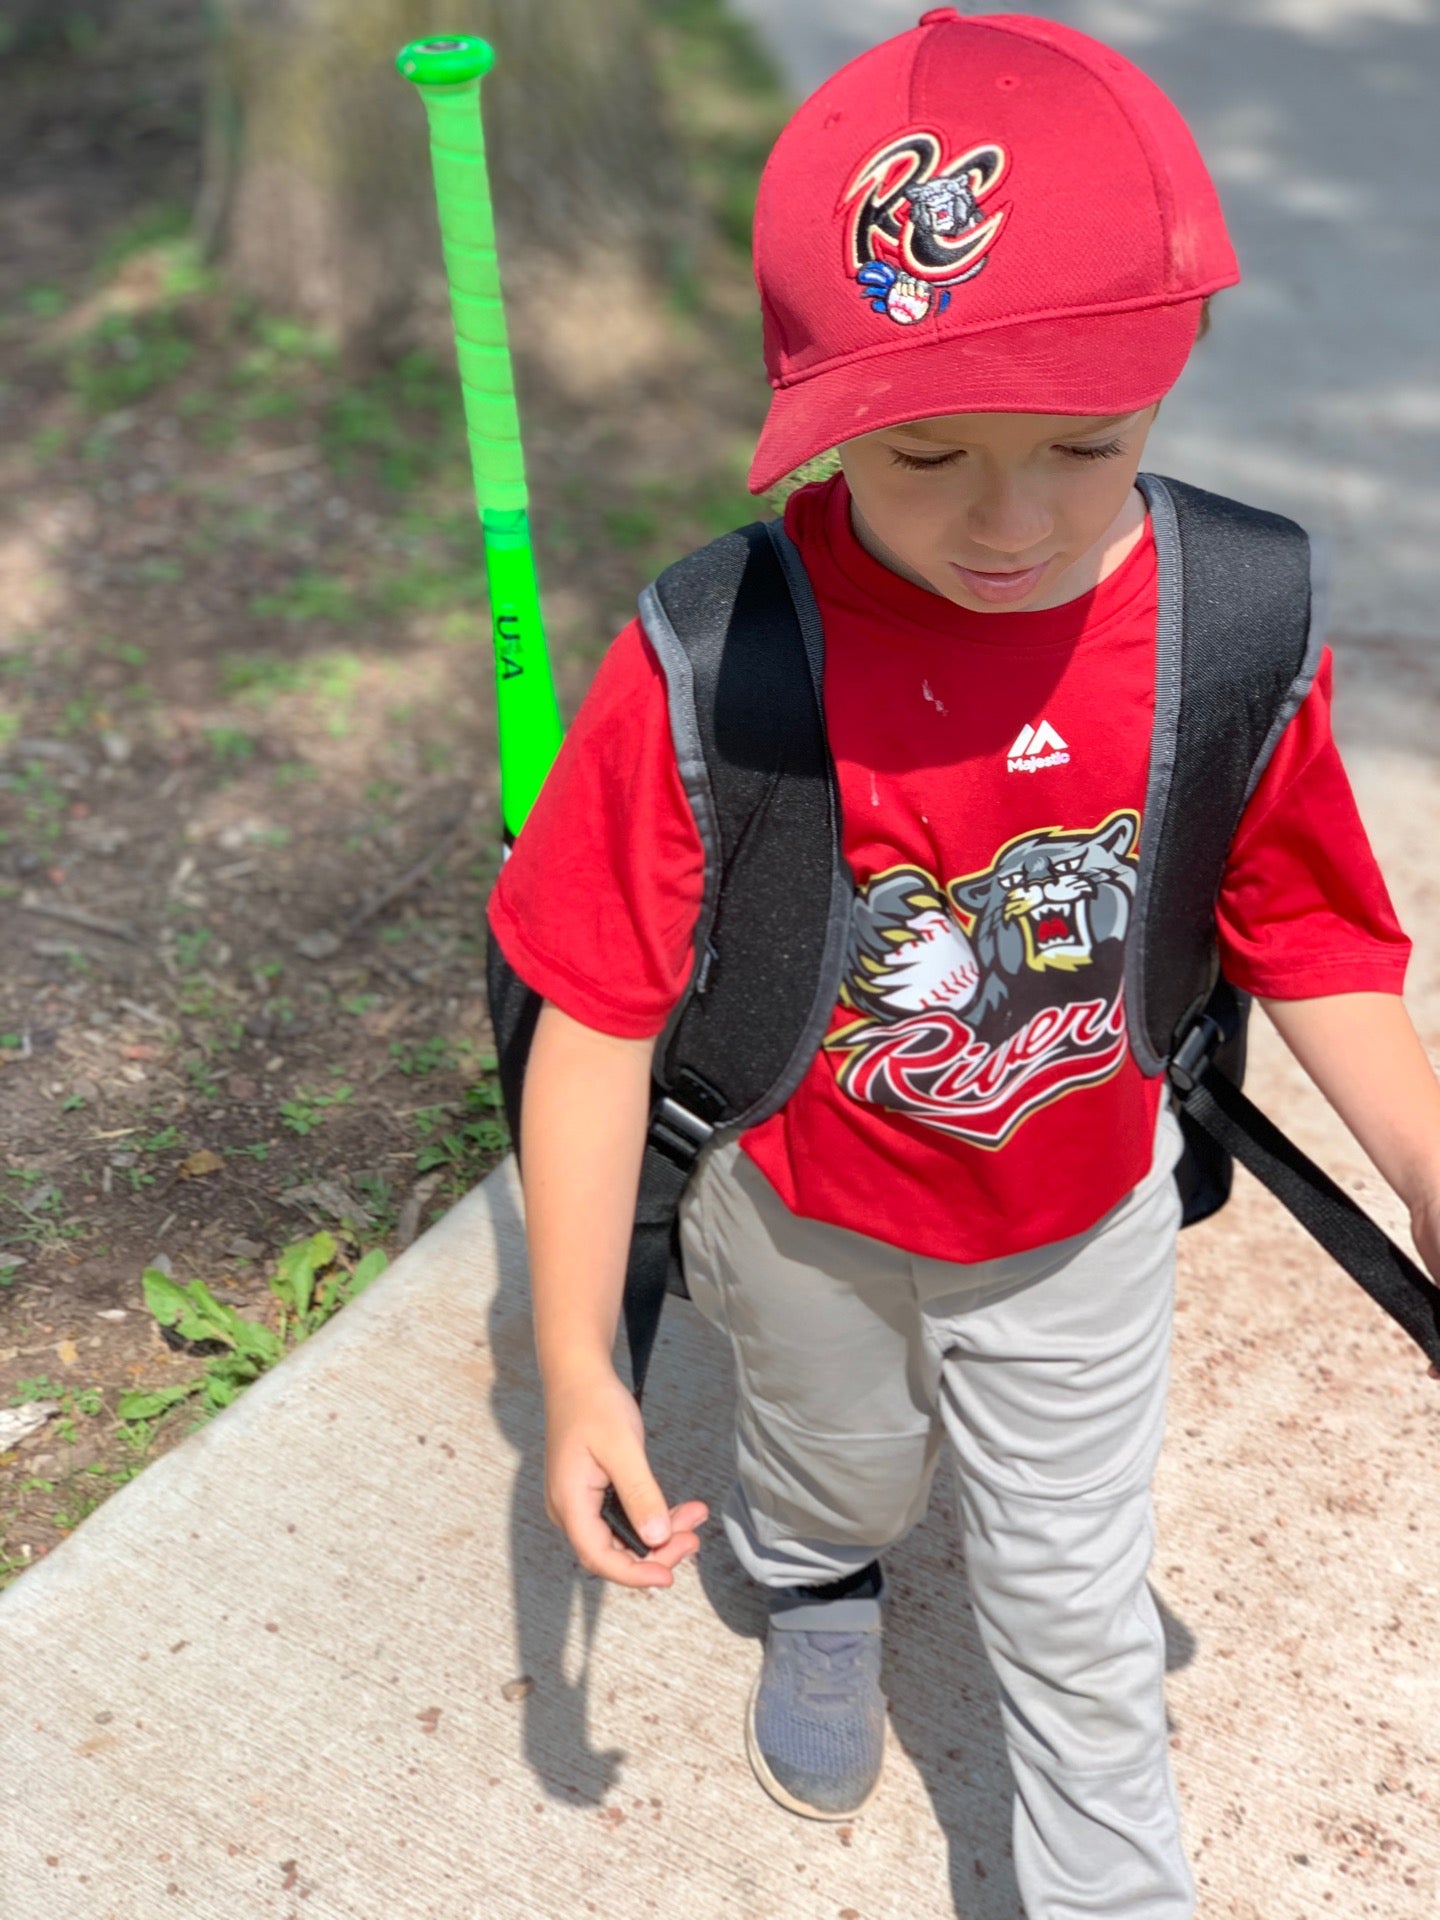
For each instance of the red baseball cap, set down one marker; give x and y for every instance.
(985, 214)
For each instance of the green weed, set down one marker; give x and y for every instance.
(191, 947)
(479, 1137)
(125, 357)
(230, 746)
(302, 1113)
(46, 303)
(259, 677)
(310, 596)
(313, 1280)
(422, 1056)
(155, 227)
(48, 442)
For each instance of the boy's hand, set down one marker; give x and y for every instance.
(594, 1436)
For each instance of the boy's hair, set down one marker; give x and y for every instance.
(929, 238)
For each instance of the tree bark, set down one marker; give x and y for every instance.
(317, 196)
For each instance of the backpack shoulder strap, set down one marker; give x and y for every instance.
(738, 634)
(1241, 628)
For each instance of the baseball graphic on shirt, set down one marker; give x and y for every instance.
(932, 964)
(980, 1001)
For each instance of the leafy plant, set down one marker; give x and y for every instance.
(230, 746)
(481, 1136)
(302, 1114)
(422, 1056)
(312, 1281)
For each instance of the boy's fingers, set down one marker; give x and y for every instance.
(677, 1548)
(639, 1494)
(598, 1551)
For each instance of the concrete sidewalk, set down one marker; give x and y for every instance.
(328, 1659)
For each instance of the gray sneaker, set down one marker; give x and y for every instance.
(815, 1728)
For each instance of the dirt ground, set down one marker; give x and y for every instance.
(248, 814)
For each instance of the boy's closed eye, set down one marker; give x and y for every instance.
(1103, 450)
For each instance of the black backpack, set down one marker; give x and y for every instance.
(738, 633)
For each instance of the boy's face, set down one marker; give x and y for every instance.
(1037, 497)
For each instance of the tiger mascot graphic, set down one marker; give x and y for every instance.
(976, 1003)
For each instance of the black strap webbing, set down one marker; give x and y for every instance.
(1325, 1210)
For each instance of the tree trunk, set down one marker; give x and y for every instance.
(317, 195)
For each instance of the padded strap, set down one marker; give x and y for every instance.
(737, 632)
(1239, 640)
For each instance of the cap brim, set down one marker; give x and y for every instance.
(1090, 364)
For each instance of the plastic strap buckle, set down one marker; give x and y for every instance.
(1194, 1053)
(678, 1133)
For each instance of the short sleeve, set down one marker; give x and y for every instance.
(1303, 908)
(596, 906)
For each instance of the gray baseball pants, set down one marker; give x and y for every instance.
(1049, 1372)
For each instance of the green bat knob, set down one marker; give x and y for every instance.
(453, 61)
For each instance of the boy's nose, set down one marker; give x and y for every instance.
(1005, 519)
(1007, 526)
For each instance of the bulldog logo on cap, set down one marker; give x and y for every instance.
(918, 228)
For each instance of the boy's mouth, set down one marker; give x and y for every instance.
(1000, 586)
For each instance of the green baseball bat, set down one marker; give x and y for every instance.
(447, 73)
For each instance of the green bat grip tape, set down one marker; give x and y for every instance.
(448, 74)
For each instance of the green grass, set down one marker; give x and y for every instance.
(302, 1113)
(423, 1056)
(330, 678)
(191, 948)
(46, 303)
(402, 424)
(230, 746)
(160, 226)
(127, 356)
(310, 596)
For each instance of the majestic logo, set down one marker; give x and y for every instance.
(1037, 747)
(980, 1002)
(917, 227)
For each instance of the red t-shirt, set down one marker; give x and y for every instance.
(975, 1094)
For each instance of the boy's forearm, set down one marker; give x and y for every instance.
(586, 1106)
(1363, 1053)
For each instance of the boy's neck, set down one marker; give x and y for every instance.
(1110, 551)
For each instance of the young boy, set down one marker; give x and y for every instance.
(983, 251)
